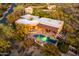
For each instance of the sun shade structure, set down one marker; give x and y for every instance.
(27, 22)
(30, 17)
(50, 22)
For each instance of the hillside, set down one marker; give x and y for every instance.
(16, 42)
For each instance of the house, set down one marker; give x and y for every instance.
(51, 27)
(70, 53)
(29, 10)
(50, 7)
(41, 26)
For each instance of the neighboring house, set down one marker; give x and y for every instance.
(42, 26)
(70, 53)
(73, 49)
(50, 7)
(29, 10)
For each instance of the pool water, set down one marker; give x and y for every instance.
(45, 39)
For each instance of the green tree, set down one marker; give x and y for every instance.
(50, 50)
(62, 46)
(6, 31)
(4, 45)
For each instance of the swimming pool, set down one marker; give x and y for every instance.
(45, 39)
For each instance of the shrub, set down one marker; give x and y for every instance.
(63, 47)
(4, 45)
(6, 31)
(50, 50)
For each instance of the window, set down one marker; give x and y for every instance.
(47, 30)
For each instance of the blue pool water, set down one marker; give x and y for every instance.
(45, 39)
